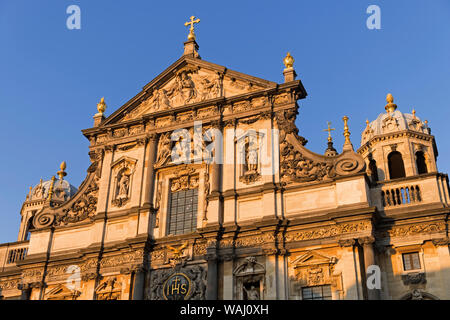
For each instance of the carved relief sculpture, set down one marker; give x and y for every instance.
(164, 150)
(110, 289)
(184, 179)
(195, 283)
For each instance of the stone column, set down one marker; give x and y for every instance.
(271, 275)
(218, 159)
(138, 284)
(137, 277)
(150, 156)
(25, 291)
(211, 257)
(351, 273)
(228, 289)
(369, 259)
(215, 179)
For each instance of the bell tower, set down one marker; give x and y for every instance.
(397, 145)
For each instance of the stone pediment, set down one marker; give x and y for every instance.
(312, 258)
(62, 292)
(188, 81)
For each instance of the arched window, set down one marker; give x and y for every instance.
(421, 163)
(373, 169)
(29, 228)
(396, 166)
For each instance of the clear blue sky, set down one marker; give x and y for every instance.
(51, 78)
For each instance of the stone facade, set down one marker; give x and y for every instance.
(280, 224)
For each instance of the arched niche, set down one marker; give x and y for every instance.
(249, 279)
(396, 165)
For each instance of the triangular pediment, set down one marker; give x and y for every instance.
(62, 292)
(188, 81)
(311, 258)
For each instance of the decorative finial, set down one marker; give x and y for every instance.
(367, 122)
(101, 106)
(62, 173)
(288, 61)
(346, 131)
(391, 106)
(330, 139)
(414, 113)
(191, 35)
(50, 190)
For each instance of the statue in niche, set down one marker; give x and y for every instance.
(252, 293)
(124, 186)
(251, 155)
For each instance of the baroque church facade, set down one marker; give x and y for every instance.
(200, 187)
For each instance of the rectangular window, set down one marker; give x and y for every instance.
(316, 293)
(411, 261)
(183, 211)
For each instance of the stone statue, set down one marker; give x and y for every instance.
(123, 186)
(252, 294)
(252, 157)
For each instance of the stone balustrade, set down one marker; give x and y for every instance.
(411, 191)
(401, 195)
(11, 253)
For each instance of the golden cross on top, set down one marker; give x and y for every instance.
(191, 35)
(329, 131)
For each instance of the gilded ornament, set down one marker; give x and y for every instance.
(191, 36)
(391, 106)
(288, 61)
(101, 106)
